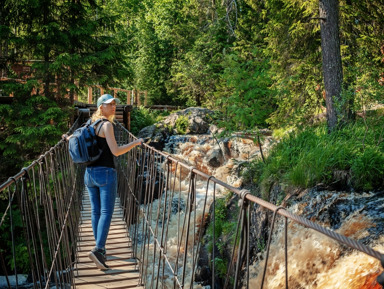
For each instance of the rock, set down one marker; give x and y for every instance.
(155, 135)
(216, 158)
(198, 120)
(198, 123)
(203, 271)
(21, 280)
(213, 129)
(258, 229)
(227, 148)
(147, 132)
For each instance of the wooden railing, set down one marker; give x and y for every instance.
(134, 96)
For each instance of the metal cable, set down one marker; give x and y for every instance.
(41, 193)
(49, 189)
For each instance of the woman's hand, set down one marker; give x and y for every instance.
(139, 141)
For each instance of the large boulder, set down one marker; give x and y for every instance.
(197, 122)
(155, 135)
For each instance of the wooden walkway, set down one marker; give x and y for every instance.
(123, 272)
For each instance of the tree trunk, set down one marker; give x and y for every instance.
(3, 46)
(337, 107)
(46, 77)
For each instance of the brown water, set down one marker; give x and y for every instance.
(314, 260)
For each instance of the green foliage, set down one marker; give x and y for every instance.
(251, 100)
(142, 117)
(21, 250)
(223, 226)
(31, 125)
(265, 54)
(362, 50)
(368, 169)
(221, 266)
(224, 233)
(305, 158)
(181, 124)
(69, 43)
(150, 59)
(197, 73)
(293, 42)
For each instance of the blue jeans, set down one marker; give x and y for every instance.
(101, 183)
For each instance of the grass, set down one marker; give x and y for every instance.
(311, 156)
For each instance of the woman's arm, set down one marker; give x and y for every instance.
(107, 130)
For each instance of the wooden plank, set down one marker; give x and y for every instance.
(113, 242)
(115, 285)
(110, 259)
(127, 278)
(88, 224)
(113, 229)
(114, 270)
(112, 250)
(110, 238)
(113, 263)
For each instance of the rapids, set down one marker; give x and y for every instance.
(314, 260)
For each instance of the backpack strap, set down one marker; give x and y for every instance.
(102, 120)
(97, 122)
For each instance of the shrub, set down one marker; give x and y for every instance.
(182, 124)
(142, 117)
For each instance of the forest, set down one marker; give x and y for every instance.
(258, 63)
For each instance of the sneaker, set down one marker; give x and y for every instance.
(98, 256)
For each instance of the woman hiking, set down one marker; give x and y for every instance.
(101, 178)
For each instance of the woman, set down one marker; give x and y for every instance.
(101, 179)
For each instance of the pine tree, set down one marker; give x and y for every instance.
(69, 44)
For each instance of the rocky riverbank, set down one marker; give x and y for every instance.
(315, 261)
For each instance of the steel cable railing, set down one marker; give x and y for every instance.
(170, 208)
(41, 218)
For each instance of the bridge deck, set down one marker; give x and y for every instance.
(123, 272)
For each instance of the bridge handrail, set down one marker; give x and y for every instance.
(25, 170)
(149, 156)
(39, 188)
(246, 196)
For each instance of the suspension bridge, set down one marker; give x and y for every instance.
(49, 213)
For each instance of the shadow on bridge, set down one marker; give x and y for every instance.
(165, 208)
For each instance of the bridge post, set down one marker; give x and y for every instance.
(128, 97)
(127, 116)
(90, 94)
(84, 113)
(134, 97)
(138, 100)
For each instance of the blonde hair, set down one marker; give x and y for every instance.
(98, 114)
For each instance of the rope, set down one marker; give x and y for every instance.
(49, 193)
(44, 198)
(187, 253)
